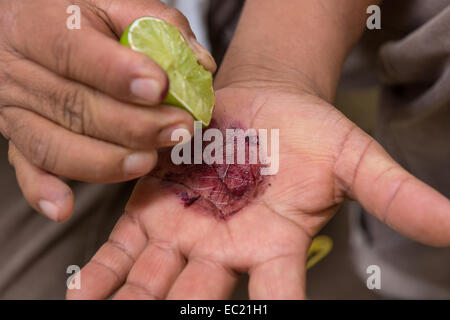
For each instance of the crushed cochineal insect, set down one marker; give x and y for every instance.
(220, 189)
(188, 200)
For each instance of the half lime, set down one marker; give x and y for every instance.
(191, 86)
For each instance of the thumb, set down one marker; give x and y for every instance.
(122, 14)
(390, 193)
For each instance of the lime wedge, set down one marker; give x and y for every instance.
(191, 86)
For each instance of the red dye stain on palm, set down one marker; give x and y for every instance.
(220, 189)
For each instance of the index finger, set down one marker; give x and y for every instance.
(88, 56)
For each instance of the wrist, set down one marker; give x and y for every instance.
(243, 68)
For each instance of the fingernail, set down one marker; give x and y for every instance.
(164, 138)
(138, 164)
(147, 89)
(204, 57)
(49, 209)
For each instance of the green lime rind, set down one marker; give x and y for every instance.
(191, 86)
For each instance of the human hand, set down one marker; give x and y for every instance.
(77, 104)
(164, 246)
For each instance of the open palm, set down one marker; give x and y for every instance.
(163, 248)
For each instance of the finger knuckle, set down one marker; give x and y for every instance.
(39, 152)
(348, 160)
(6, 64)
(70, 109)
(174, 15)
(62, 50)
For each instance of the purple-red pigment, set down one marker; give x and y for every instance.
(220, 189)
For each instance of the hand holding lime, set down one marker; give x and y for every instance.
(191, 86)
